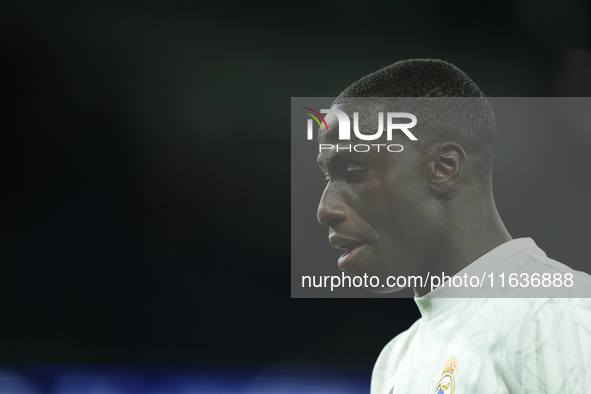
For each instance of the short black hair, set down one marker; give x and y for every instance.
(415, 78)
(469, 122)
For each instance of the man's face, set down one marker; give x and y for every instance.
(377, 206)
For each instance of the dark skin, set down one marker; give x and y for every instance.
(419, 211)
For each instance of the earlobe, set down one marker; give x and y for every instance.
(445, 167)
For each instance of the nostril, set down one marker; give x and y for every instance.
(334, 222)
(331, 209)
(330, 214)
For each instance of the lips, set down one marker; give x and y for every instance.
(351, 246)
(349, 255)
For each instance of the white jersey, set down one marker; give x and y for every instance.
(495, 344)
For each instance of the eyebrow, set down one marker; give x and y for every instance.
(336, 157)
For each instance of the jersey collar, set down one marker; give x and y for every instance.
(446, 297)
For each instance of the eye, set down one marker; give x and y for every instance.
(353, 173)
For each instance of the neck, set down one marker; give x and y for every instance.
(468, 234)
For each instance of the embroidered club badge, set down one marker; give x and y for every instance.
(446, 384)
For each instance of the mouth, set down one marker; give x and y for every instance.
(351, 250)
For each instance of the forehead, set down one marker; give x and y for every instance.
(368, 120)
(367, 116)
(331, 137)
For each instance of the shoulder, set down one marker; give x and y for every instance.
(531, 273)
(390, 357)
(562, 311)
(398, 344)
(555, 351)
(535, 310)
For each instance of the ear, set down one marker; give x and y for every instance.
(446, 162)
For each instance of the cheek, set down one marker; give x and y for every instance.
(403, 210)
(378, 208)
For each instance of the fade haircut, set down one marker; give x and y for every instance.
(468, 121)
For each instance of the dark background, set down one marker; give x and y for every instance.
(144, 185)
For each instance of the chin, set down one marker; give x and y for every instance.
(383, 290)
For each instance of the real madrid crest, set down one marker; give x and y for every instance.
(446, 384)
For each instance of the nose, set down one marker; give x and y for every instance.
(331, 209)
